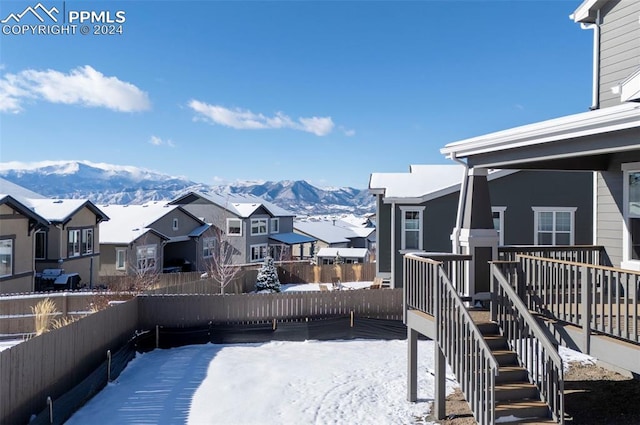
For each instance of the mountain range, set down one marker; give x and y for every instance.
(115, 184)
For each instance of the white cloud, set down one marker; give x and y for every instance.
(156, 141)
(348, 132)
(81, 86)
(244, 119)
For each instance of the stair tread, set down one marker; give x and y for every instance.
(512, 385)
(519, 404)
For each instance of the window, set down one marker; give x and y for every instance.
(121, 258)
(234, 227)
(6, 257)
(175, 224)
(258, 226)
(146, 256)
(208, 247)
(258, 252)
(631, 211)
(40, 245)
(411, 233)
(554, 225)
(498, 222)
(87, 241)
(275, 225)
(73, 249)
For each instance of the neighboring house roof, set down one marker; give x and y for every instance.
(343, 252)
(587, 11)
(23, 209)
(325, 231)
(199, 231)
(129, 222)
(291, 238)
(15, 190)
(54, 210)
(238, 204)
(63, 210)
(423, 183)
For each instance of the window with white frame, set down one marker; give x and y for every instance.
(554, 225)
(121, 258)
(87, 241)
(40, 244)
(6, 257)
(258, 226)
(146, 257)
(411, 230)
(275, 225)
(631, 212)
(175, 224)
(259, 252)
(234, 227)
(73, 243)
(498, 222)
(208, 247)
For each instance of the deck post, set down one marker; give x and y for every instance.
(440, 391)
(587, 281)
(412, 365)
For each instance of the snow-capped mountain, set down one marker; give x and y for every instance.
(114, 184)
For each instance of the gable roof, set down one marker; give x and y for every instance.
(240, 205)
(325, 231)
(423, 183)
(129, 222)
(27, 211)
(343, 252)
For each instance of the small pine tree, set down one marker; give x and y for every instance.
(268, 277)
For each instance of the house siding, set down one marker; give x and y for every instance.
(383, 233)
(619, 47)
(16, 227)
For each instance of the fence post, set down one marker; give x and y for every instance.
(50, 405)
(586, 282)
(157, 336)
(108, 365)
(65, 305)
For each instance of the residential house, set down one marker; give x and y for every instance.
(342, 255)
(255, 228)
(417, 211)
(587, 297)
(335, 233)
(18, 225)
(154, 237)
(68, 242)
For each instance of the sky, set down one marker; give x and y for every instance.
(328, 92)
(310, 382)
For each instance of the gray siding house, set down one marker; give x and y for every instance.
(417, 211)
(153, 237)
(254, 227)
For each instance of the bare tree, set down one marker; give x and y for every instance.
(219, 265)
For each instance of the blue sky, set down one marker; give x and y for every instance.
(325, 91)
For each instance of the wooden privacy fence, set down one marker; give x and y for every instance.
(192, 310)
(50, 364)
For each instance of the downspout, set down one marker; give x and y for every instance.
(595, 97)
(455, 236)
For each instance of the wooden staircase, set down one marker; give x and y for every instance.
(517, 399)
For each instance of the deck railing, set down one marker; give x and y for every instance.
(589, 254)
(596, 298)
(526, 337)
(428, 288)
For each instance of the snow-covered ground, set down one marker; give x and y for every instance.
(312, 382)
(299, 287)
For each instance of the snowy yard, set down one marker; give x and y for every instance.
(312, 382)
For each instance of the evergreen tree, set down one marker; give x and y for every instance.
(268, 277)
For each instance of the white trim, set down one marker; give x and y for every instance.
(239, 221)
(266, 226)
(627, 261)
(175, 224)
(572, 231)
(500, 211)
(403, 242)
(122, 251)
(274, 220)
(208, 244)
(630, 88)
(393, 246)
(583, 12)
(260, 252)
(589, 123)
(10, 253)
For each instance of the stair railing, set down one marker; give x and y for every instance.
(528, 339)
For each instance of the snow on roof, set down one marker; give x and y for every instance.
(22, 205)
(343, 252)
(16, 191)
(325, 231)
(241, 205)
(128, 222)
(420, 181)
(57, 210)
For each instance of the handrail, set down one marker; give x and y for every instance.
(523, 329)
(573, 263)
